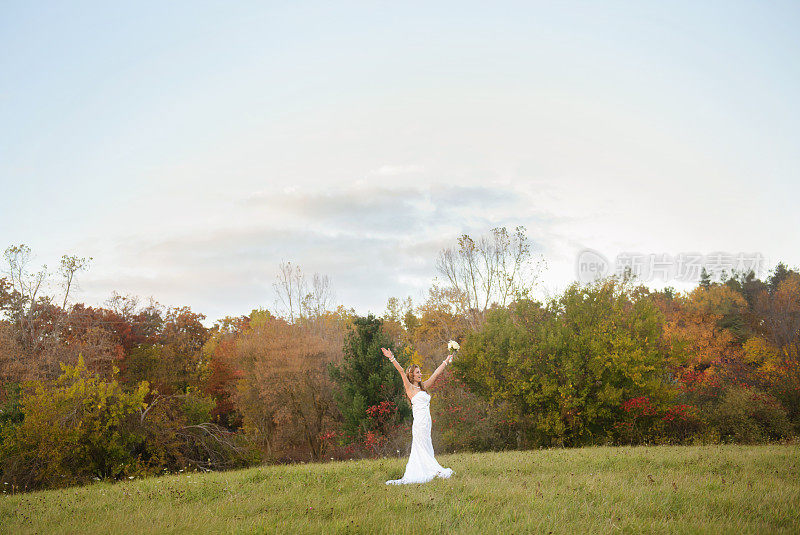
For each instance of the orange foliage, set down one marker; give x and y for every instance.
(438, 324)
(285, 395)
(698, 346)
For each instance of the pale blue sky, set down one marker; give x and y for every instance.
(190, 147)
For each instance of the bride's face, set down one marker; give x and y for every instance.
(417, 375)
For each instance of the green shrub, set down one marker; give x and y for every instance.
(80, 428)
(10, 405)
(748, 415)
(465, 422)
(197, 408)
(565, 368)
(74, 429)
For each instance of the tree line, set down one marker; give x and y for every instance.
(135, 388)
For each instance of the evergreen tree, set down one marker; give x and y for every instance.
(365, 377)
(705, 279)
(746, 284)
(778, 274)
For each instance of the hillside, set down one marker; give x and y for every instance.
(698, 489)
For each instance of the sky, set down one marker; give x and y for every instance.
(191, 147)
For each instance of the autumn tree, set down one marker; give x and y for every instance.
(779, 311)
(28, 305)
(173, 361)
(12, 364)
(220, 384)
(219, 369)
(439, 322)
(700, 344)
(284, 394)
(138, 324)
(397, 312)
(722, 355)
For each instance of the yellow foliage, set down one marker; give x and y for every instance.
(718, 299)
(762, 354)
(416, 358)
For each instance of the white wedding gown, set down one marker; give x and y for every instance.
(422, 466)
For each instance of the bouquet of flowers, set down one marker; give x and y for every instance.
(452, 347)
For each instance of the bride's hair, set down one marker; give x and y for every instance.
(410, 375)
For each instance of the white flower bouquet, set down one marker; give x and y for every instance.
(452, 347)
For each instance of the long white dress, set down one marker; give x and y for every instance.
(422, 465)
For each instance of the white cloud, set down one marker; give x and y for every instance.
(394, 170)
(374, 242)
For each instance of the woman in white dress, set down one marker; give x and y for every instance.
(422, 465)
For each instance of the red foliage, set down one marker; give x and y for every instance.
(638, 407)
(327, 437)
(678, 412)
(382, 416)
(221, 384)
(382, 410)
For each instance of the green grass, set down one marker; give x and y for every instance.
(663, 489)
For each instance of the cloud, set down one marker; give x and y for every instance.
(395, 170)
(373, 240)
(388, 209)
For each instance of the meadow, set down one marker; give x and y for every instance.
(645, 489)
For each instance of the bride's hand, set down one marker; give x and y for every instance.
(387, 353)
(449, 359)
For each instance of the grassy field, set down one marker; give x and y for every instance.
(697, 489)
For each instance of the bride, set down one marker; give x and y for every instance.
(422, 466)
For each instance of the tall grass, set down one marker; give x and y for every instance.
(661, 489)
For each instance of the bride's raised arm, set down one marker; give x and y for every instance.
(432, 379)
(388, 354)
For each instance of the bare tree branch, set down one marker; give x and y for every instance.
(69, 266)
(290, 288)
(298, 298)
(492, 271)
